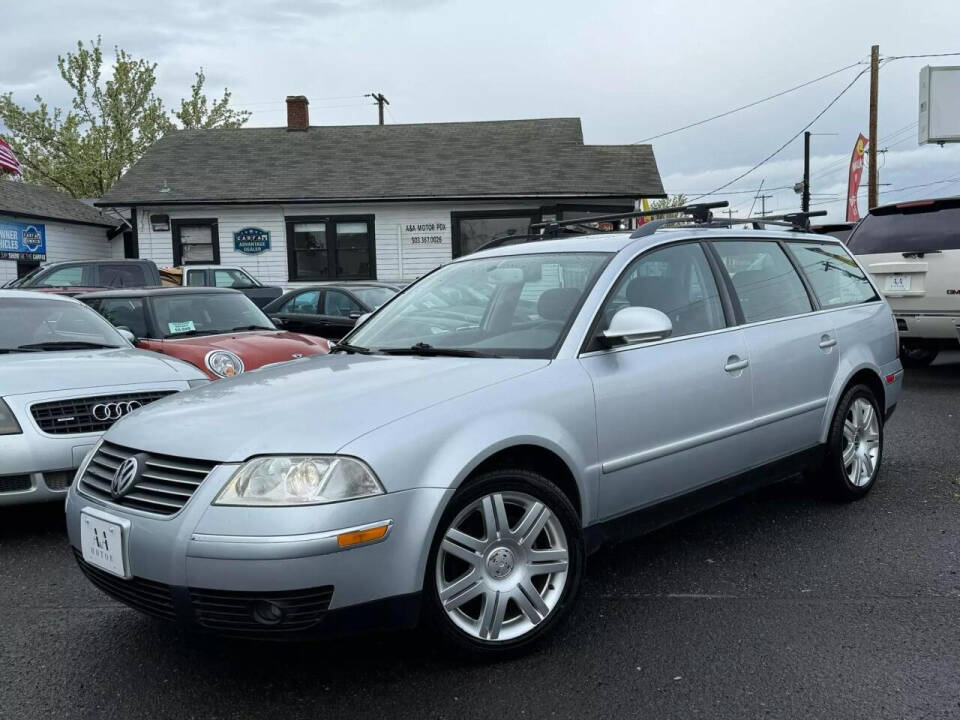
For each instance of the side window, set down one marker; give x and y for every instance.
(339, 304)
(765, 280)
(231, 279)
(64, 277)
(124, 312)
(122, 276)
(835, 277)
(678, 282)
(305, 303)
(197, 278)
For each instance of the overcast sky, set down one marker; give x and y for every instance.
(629, 69)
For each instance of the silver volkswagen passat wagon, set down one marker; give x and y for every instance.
(462, 451)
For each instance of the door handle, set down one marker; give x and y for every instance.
(734, 363)
(827, 342)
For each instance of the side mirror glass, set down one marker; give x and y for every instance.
(127, 334)
(633, 325)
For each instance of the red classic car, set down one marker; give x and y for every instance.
(220, 331)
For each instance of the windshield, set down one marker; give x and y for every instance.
(207, 314)
(373, 297)
(513, 306)
(909, 228)
(40, 324)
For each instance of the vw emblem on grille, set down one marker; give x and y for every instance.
(114, 410)
(124, 477)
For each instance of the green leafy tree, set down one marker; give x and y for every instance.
(678, 200)
(110, 124)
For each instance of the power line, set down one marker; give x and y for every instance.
(750, 105)
(798, 134)
(925, 55)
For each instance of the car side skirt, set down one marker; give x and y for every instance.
(653, 517)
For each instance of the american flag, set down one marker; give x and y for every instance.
(8, 161)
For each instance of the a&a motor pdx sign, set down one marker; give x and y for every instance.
(20, 241)
(251, 240)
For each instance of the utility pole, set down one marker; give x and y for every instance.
(729, 212)
(872, 148)
(763, 204)
(805, 198)
(381, 100)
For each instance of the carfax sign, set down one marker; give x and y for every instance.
(251, 241)
(20, 241)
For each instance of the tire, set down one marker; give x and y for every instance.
(847, 475)
(485, 593)
(917, 356)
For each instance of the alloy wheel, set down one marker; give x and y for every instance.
(861, 442)
(501, 566)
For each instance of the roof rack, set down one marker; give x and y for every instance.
(798, 221)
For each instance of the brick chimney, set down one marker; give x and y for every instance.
(298, 118)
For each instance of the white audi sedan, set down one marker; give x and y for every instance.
(66, 376)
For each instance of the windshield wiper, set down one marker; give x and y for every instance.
(19, 349)
(347, 348)
(425, 349)
(64, 345)
(187, 333)
(249, 327)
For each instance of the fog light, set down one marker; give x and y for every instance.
(267, 613)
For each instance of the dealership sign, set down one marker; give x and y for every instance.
(20, 241)
(251, 241)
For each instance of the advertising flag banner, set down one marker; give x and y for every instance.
(642, 206)
(853, 183)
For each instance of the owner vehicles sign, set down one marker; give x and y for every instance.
(20, 241)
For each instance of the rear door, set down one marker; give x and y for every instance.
(300, 313)
(913, 252)
(339, 314)
(793, 351)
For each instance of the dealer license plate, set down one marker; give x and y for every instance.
(897, 283)
(101, 542)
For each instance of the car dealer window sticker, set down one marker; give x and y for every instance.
(181, 327)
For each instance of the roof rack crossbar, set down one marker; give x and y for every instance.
(695, 210)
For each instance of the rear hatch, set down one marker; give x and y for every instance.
(912, 249)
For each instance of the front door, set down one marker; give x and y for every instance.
(339, 314)
(671, 414)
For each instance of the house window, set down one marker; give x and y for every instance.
(195, 242)
(331, 248)
(473, 229)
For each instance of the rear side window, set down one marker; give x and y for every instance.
(122, 276)
(124, 312)
(766, 282)
(835, 277)
(920, 228)
(197, 278)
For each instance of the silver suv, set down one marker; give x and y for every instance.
(468, 445)
(66, 375)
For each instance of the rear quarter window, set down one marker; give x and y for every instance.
(836, 279)
(920, 228)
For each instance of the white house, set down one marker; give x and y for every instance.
(304, 203)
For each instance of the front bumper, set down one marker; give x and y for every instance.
(211, 556)
(36, 468)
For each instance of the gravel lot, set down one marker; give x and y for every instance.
(776, 605)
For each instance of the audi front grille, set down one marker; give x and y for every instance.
(163, 485)
(91, 414)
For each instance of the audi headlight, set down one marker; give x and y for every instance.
(299, 481)
(8, 423)
(223, 363)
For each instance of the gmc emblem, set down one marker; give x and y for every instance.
(952, 291)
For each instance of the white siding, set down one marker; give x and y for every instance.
(396, 258)
(65, 241)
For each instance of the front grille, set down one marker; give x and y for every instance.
(59, 480)
(14, 483)
(65, 417)
(237, 612)
(164, 485)
(147, 596)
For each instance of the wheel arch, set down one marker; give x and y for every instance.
(865, 374)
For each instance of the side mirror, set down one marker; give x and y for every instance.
(634, 325)
(361, 319)
(277, 322)
(355, 315)
(127, 334)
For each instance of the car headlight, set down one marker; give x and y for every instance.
(8, 423)
(223, 363)
(198, 382)
(299, 480)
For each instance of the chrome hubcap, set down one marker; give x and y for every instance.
(861, 442)
(502, 566)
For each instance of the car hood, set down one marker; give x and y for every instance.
(314, 405)
(34, 372)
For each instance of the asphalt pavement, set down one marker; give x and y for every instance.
(776, 605)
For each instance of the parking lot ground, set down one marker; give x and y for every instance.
(776, 605)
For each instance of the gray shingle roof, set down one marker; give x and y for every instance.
(511, 158)
(20, 198)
